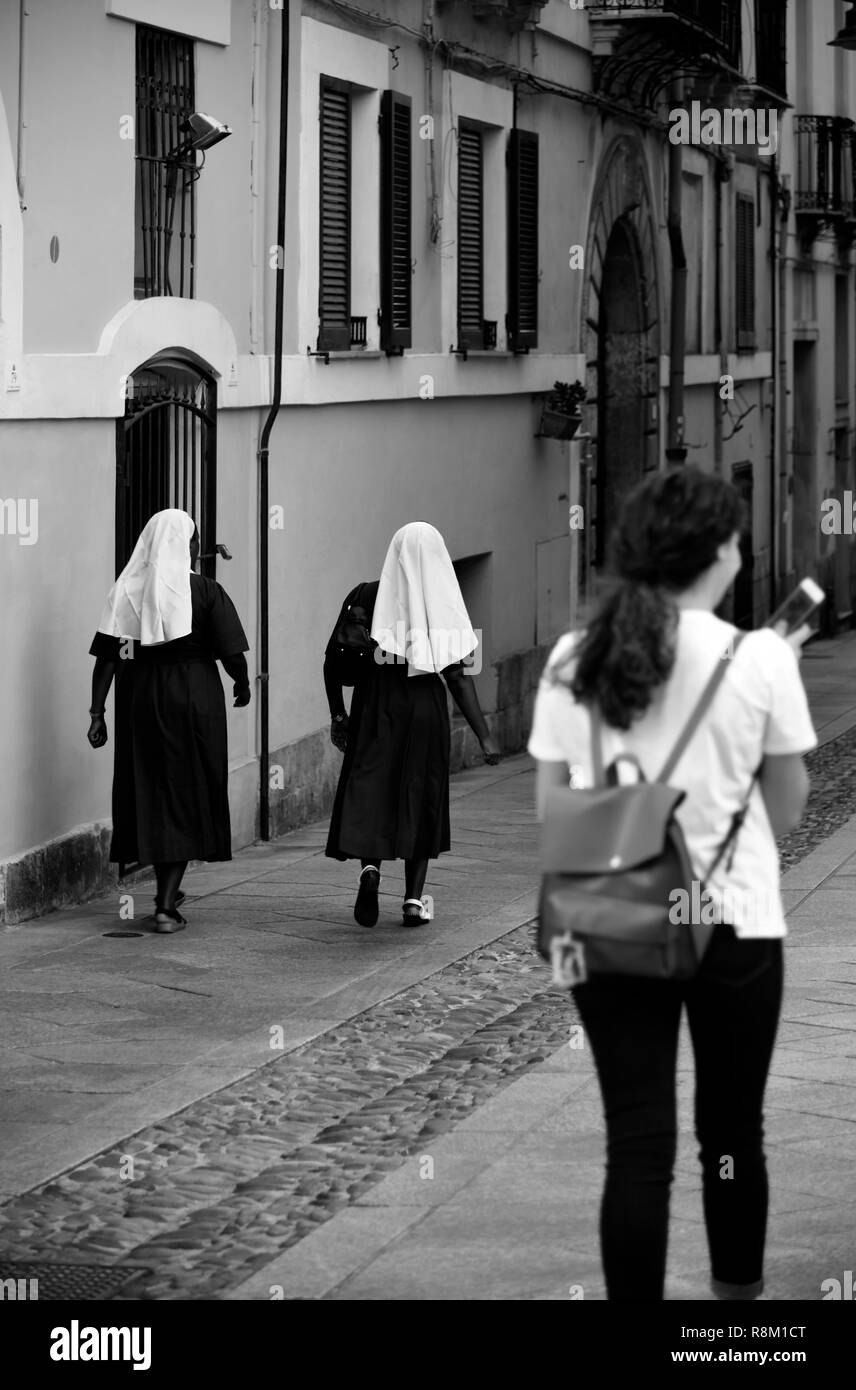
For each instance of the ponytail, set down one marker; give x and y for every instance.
(627, 651)
(667, 535)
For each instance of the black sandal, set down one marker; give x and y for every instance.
(167, 921)
(366, 907)
(415, 911)
(179, 899)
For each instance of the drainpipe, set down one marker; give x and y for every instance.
(775, 501)
(785, 519)
(676, 449)
(19, 170)
(257, 160)
(263, 451)
(718, 180)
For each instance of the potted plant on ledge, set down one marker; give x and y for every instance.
(561, 415)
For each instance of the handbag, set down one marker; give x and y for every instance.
(352, 644)
(612, 857)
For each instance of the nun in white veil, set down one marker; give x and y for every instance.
(162, 630)
(392, 800)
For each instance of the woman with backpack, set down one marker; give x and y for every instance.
(394, 639)
(642, 664)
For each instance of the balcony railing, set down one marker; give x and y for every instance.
(824, 167)
(516, 14)
(771, 60)
(720, 19)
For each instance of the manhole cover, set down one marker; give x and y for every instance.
(122, 933)
(56, 1283)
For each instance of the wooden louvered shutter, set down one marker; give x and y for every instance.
(334, 275)
(745, 272)
(470, 239)
(395, 219)
(522, 240)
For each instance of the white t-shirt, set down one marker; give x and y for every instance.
(760, 708)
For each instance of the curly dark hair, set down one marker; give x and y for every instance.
(667, 534)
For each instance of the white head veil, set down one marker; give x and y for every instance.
(419, 613)
(150, 600)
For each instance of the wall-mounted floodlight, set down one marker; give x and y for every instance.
(204, 131)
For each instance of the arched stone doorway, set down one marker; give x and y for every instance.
(621, 335)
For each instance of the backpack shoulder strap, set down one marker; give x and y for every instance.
(700, 710)
(596, 723)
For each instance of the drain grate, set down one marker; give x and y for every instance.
(122, 933)
(58, 1283)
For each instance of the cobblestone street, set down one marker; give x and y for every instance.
(280, 1103)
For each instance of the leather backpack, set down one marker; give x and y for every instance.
(612, 857)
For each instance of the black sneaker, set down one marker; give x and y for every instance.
(366, 908)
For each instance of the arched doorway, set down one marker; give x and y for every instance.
(166, 452)
(621, 380)
(621, 340)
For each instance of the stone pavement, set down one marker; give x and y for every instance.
(420, 1127)
(102, 1036)
(506, 1205)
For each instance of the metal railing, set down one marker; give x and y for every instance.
(824, 165)
(165, 177)
(721, 18)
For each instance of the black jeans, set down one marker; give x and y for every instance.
(733, 1008)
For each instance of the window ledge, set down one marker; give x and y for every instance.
(490, 352)
(354, 355)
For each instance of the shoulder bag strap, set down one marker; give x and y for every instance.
(700, 710)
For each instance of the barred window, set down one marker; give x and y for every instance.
(165, 198)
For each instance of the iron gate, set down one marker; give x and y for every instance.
(166, 453)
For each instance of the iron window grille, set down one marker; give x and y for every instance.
(745, 273)
(165, 193)
(334, 278)
(522, 188)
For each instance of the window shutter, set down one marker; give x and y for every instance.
(395, 215)
(334, 279)
(522, 240)
(745, 276)
(470, 239)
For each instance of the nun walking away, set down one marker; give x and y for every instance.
(392, 800)
(162, 630)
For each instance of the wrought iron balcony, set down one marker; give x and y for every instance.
(716, 20)
(825, 188)
(771, 58)
(514, 14)
(639, 45)
(824, 174)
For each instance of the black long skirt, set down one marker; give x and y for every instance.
(392, 801)
(171, 771)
